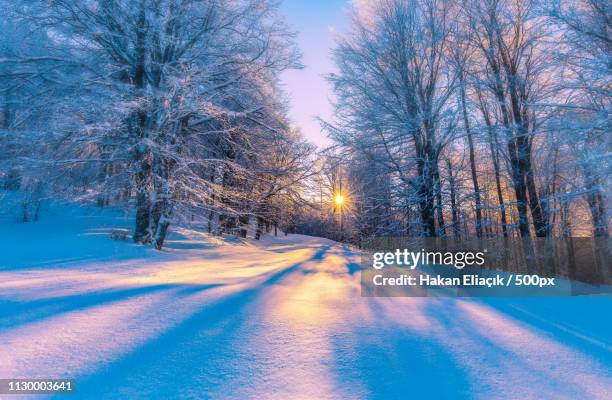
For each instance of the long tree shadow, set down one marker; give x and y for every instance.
(292, 247)
(352, 266)
(567, 320)
(494, 355)
(181, 358)
(388, 360)
(16, 313)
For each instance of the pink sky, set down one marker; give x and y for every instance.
(317, 22)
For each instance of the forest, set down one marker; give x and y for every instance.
(473, 119)
(464, 118)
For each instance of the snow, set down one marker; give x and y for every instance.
(281, 318)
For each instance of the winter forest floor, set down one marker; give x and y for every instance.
(277, 319)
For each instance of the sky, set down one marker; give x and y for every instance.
(317, 22)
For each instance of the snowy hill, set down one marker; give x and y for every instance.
(68, 234)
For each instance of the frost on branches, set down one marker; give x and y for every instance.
(170, 108)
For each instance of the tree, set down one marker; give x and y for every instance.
(587, 82)
(510, 37)
(166, 103)
(393, 88)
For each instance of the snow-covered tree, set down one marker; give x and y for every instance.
(393, 89)
(491, 114)
(171, 105)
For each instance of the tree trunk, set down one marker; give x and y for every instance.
(162, 229)
(518, 180)
(540, 219)
(260, 226)
(523, 152)
(439, 208)
(426, 198)
(597, 205)
(142, 162)
(141, 231)
(453, 199)
(477, 200)
(520, 190)
(494, 147)
(143, 203)
(243, 223)
(214, 224)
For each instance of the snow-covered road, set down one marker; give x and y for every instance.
(284, 319)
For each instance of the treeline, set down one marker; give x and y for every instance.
(170, 108)
(474, 118)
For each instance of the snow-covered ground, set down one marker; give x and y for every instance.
(276, 319)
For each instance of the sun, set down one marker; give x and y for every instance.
(339, 199)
